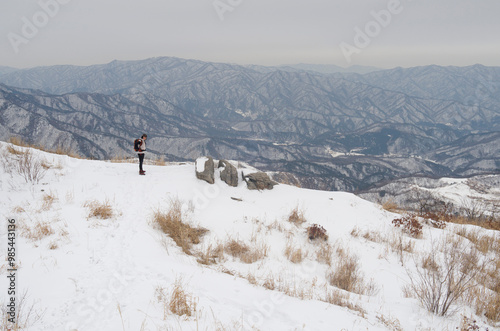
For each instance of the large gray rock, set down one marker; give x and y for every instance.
(229, 174)
(259, 181)
(204, 167)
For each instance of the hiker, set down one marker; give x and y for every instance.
(140, 148)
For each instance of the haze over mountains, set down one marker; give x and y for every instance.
(344, 131)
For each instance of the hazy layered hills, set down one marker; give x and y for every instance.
(331, 131)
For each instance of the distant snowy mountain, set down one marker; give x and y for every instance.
(85, 268)
(329, 68)
(338, 131)
(6, 70)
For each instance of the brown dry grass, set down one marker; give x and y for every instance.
(367, 234)
(48, 200)
(27, 315)
(391, 206)
(16, 141)
(270, 283)
(296, 217)
(12, 150)
(102, 210)
(294, 255)
(181, 303)
(486, 302)
(490, 224)
(39, 231)
(160, 161)
(347, 275)
(177, 302)
(53, 245)
(212, 254)
(122, 159)
(172, 224)
(390, 323)
(251, 279)
(236, 248)
(484, 243)
(324, 254)
(24, 163)
(242, 251)
(341, 299)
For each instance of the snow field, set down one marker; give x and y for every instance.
(86, 273)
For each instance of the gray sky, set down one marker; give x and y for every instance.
(269, 32)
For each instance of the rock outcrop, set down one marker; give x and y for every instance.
(229, 174)
(204, 168)
(259, 181)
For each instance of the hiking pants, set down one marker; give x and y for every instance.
(141, 160)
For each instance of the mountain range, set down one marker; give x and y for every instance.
(332, 131)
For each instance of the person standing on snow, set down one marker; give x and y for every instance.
(140, 148)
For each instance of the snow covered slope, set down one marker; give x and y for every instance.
(81, 272)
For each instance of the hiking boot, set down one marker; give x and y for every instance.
(142, 172)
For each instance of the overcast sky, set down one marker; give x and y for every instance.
(377, 33)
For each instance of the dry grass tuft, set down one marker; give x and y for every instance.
(296, 217)
(270, 283)
(245, 253)
(24, 163)
(399, 245)
(392, 324)
(181, 303)
(236, 248)
(276, 226)
(39, 231)
(257, 253)
(324, 254)
(486, 302)
(12, 150)
(172, 223)
(102, 210)
(368, 235)
(177, 302)
(484, 243)
(347, 275)
(294, 255)
(160, 161)
(53, 245)
(492, 307)
(211, 255)
(48, 200)
(341, 299)
(251, 279)
(391, 206)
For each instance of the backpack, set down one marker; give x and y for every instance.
(137, 144)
